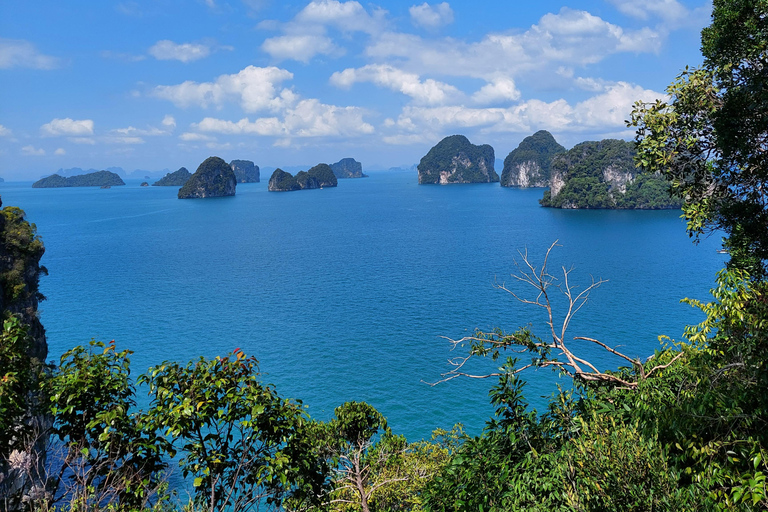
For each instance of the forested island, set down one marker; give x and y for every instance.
(213, 178)
(456, 160)
(348, 168)
(93, 179)
(174, 179)
(319, 176)
(528, 165)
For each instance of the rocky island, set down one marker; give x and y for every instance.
(213, 178)
(348, 168)
(319, 176)
(245, 171)
(174, 179)
(528, 165)
(93, 179)
(602, 174)
(455, 160)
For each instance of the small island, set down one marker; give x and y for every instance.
(245, 171)
(174, 179)
(603, 174)
(213, 178)
(319, 176)
(94, 179)
(455, 160)
(348, 168)
(529, 164)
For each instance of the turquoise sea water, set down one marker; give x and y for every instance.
(344, 293)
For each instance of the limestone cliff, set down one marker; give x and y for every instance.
(529, 164)
(455, 160)
(245, 171)
(213, 178)
(348, 168)
(319, 176)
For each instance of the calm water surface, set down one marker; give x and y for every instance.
(344, 293)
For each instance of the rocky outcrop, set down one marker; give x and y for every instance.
(529, 164)
(319, 176)
(348, 168)
(174, 179)
(455, 160)
(93, 179)
(245, 171)
(213, 178)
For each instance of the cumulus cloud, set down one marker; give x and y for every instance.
(67, 127)
(60, 152)
(428, 91)
(501, 89)
(345, 16)
(195, 137)
(169, 122)
(185, 52)
(299, 47)
(32, 151)
(17, 53)
(670, 12)
(5, 132)
(254, 88)
(431, 16)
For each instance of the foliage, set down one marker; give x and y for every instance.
(348, 168)
(92, 179)
(213, 178)
(282, 181)
(324, 175)
(241, 442)
(537, 149)
(20, 251)
(245, 171)
(709, 138)
(174, 179)
(463, 161)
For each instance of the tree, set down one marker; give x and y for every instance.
(711, 138)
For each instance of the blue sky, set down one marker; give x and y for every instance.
(167, 83)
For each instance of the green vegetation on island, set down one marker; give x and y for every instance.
(245, 171)
(174, 179)
(213, 178)
(456, 160)
(319, 176)
(528, 165)
(93, 179)
(348, 168)
(603, 174)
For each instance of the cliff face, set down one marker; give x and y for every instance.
(213, 178)
(94, 179)
(319, 176)
(245, 171)
(529, 164)
(174, 179)
(455, 160)
(348, 168)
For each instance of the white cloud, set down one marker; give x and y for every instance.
(501, 89)
(671, 12)
(254, 87)
(32, 151)
(67, 126)
(345, 16)
(431, 16)
(5, 132)
(186, 52)
(612, 107)
(169, 121)
(60, 152)
(195, 137)
(17, 53)
(123, 139)
(299, 47)
(429, 91)
(82, 140)
(139, 132)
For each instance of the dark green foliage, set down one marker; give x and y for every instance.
(282, 181)
(20, 253)
(174, 179)
(213, 178)
(537, 149)
(245, 171)
(306, 181)
(458, 161)
(324, 175)
(93, 179)
(648, 192)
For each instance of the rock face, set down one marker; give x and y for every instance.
(602, 174)
(245, 171)
(319, 176)
(348, 168)
(529, 164)
(455, 160)
(174, 179)
(93, 179)
(213, 178)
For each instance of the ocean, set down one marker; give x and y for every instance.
(348, 293)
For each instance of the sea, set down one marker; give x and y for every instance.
(353, 292)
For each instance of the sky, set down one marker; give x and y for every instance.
(163, 84)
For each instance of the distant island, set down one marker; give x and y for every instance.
(93, 179)
(529, 164)
(455, 160)
(602, 174)
(174, 179)
(319, 176)
(213, 178)
(348, 168)
(245, 171)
